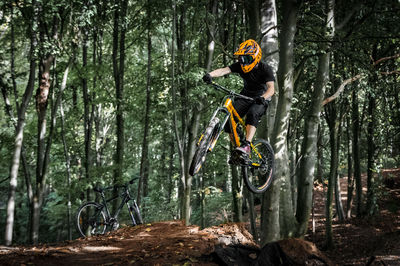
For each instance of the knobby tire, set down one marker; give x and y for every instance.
(258, 173)
(91, 219)
(203, 145)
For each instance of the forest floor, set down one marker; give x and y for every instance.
(357, 241)
(371, 240)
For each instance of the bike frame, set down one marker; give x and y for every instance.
(125, 199)
(232, 116)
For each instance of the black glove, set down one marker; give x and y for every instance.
(261, 100)
(207, 78)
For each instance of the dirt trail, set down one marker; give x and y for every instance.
(163, 243)
(358, 241)
(167, 243)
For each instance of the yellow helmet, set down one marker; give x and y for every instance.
(249, 53)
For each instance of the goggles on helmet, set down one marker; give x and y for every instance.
(245, 59)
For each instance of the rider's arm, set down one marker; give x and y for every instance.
(270, 90)
(220, 72)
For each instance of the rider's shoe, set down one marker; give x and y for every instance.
(243, 153)
(244, 148)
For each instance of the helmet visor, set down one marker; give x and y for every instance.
(245, 59)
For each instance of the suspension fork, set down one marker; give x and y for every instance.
(226, 115)
(130, 209)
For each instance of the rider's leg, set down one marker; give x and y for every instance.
(250, 132)
(253, 117)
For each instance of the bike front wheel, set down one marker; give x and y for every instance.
(91, 219)
(206, 141)
(258, 172)
(135, 214)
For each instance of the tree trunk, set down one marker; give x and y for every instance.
(338, 199)
(252, 214)
(350, 178)
(269, 46)
(87, 117)
(66, 154)
(144, 162)
(271, 229)
(334, 162)
(309, 146)
(320, 154)
(356, 152)
(371, 207)
(42, 101)
(237, 194)
(19, 133)
(119, 32)
(253, 13)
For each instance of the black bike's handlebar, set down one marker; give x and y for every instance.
(100, 189)
(219, 87)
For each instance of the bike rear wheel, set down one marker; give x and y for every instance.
(206, 141)
(258, 172)
(91, 219)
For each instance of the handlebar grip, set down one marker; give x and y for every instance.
(100, 189)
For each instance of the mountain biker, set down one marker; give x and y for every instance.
(258, 84)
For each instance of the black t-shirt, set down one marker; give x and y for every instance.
(255, 80)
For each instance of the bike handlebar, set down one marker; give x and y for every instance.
(99, 189)
(219, 87)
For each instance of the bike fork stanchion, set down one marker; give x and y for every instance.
(131, 210)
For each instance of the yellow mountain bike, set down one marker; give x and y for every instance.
(258, 167)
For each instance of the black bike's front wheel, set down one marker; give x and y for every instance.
(91, 219)
(205, 142)
(135, 214)
(258, 172)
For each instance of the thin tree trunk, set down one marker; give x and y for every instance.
(144, 162)
(253, 12)
(356, 152)
(19, 133)
(338, 199)
(119, 32)
(237, 194)
(253, 227)
(320, 154)
(334, 128)
(350, 178)
(371, 183)
(66, 154)
(86, 106)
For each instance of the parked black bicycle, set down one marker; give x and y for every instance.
(94, 218)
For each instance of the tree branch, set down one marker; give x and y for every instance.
(396, 72)
(385, 59)
(340, 89)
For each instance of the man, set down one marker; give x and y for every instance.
(258, 84)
